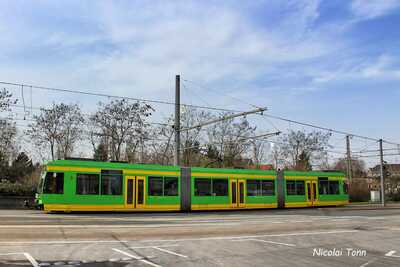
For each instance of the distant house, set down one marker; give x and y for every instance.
(392, 182)
(393, 169)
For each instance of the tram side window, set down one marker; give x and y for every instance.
(163, 186)
(323, 187)
(87, 184)
(295, 188)
(267, 188)
(111, 185)
(300, 188)
(170, 186)
(252, 188)
(54, 183)
(327, 187)
(260, 188)
(202, 187)
(220, 187)
(155, 186)
(291, 187)
(333, 187)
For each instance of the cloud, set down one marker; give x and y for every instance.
(364, 10)
(135, 48)
(385, 67)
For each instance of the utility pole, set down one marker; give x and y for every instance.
(141, 149)
(382, 175)
(349, 169)
(177, 125)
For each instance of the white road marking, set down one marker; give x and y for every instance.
(368, 262)
(250, 236)
(160, 246)
(391, 228)
(175, 240)
(128, 254)
(266, 241)
(136, 257)
(27, 256)
(198, 218)
(170, 252)
(391, 254)
(101, 226)
(178, 221)
(31, 259)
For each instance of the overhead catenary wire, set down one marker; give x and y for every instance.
(377, 150)
(375, 156)
(302, 123)
(197, 106)
(326, 129)
(217, 92)
(114, 96)
(84, 114)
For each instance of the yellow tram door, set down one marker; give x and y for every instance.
(309, 193)
(130, 192)
(140, 191)
(135, 192)
(237, 193)
(234, 200)
(241, 191)
(314, 193)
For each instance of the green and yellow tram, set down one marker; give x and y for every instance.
(79, 185)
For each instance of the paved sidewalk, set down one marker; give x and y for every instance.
(369, 206)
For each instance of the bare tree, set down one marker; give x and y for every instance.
(160, 146)
(123, 123)
(71, 130)
(58, 128)
(357, 167)
(301, 148)
(259, 148)
(8, 132)
(277, 156)
(6, 100)
(228, 141)
(192, 140)
(8, 129)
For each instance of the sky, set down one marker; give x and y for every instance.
(334, 63)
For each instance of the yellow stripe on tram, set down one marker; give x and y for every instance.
(77, 207)
(231, 175)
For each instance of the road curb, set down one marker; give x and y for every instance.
(362, 208)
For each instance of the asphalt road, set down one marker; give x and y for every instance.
(295, 237)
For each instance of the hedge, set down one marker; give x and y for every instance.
(16, 189)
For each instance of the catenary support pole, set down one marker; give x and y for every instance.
(349, 169)
(382, 175)
(177, 125)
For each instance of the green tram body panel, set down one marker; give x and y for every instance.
(208, 188)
